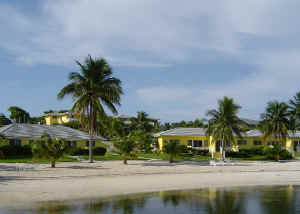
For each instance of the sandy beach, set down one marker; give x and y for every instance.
(73, 181)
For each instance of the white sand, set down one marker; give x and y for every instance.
(84, 180)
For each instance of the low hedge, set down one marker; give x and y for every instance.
(9, 150)
(81, 151)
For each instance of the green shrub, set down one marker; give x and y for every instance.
(285, 155)
(100, 151)
(200, 152)
(81, 151)
(10, 151)
(1, 155)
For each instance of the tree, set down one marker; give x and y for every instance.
(173, 148)
(18, 115)
(294, 108)
(224, 123)
(92, 89)
(4, 120)
(143, 122)
(145, 141)
(126, 146)
(276, 121)
(50, 149)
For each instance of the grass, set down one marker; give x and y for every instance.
(26, 159)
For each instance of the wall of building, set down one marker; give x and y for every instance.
(210, 142)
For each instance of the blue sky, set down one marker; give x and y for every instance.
(175, 59)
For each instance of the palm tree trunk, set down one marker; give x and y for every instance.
(171, 159)
(223, 148)
(53, 164)
(91, 155)
(125, 160)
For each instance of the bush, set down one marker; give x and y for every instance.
(285, 155)
(200, 152)
(81, 151)
(100, 151)
(246, 153)
(1, 155)
(9, 150)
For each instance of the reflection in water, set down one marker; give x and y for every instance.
(268, 200)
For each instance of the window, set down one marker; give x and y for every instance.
(272, 143)
(257, 142)
(242, 142)
(73, 143)
(30, 142)
(15, 142)
(197, 143)
(87, 143)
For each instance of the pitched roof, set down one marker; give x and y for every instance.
(36, 131)
(182, 132)
(201, 132)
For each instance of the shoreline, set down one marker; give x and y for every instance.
(82, 181)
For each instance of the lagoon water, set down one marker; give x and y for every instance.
(242, 200)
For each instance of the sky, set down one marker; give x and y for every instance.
(175, 59)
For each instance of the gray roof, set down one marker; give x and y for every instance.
(36, 131)
(201, 132)
(182, 132)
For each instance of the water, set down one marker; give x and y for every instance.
(252, 200)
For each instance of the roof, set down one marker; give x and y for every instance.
(23, 130)
(58, 114)
(201, 132)
(182, 132)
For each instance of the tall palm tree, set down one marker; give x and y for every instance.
(92, 89)
(224, 123)
(276, 120)
(294, 107)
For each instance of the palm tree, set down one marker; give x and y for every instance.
(294, 107)
(92, 89)
(126, 146)
(276, 120)
(224, 123)
(50, 149)
(173, 148)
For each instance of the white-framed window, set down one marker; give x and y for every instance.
(257, 142)
(195, 143)
(15, 142)
(242, 142)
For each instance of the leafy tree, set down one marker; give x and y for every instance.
(143, 122)
(145, 141)
(18, 115)
(126, 146)
(276, 121)
(224, 123)
(50, 149)
(91, 89)
(49, 111)
(37, 120)
(4, 120)
(173, 148)
(294, 109)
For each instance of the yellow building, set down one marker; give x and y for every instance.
(196, 138)
(58, 118)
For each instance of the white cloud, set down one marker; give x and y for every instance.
(135, 33)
